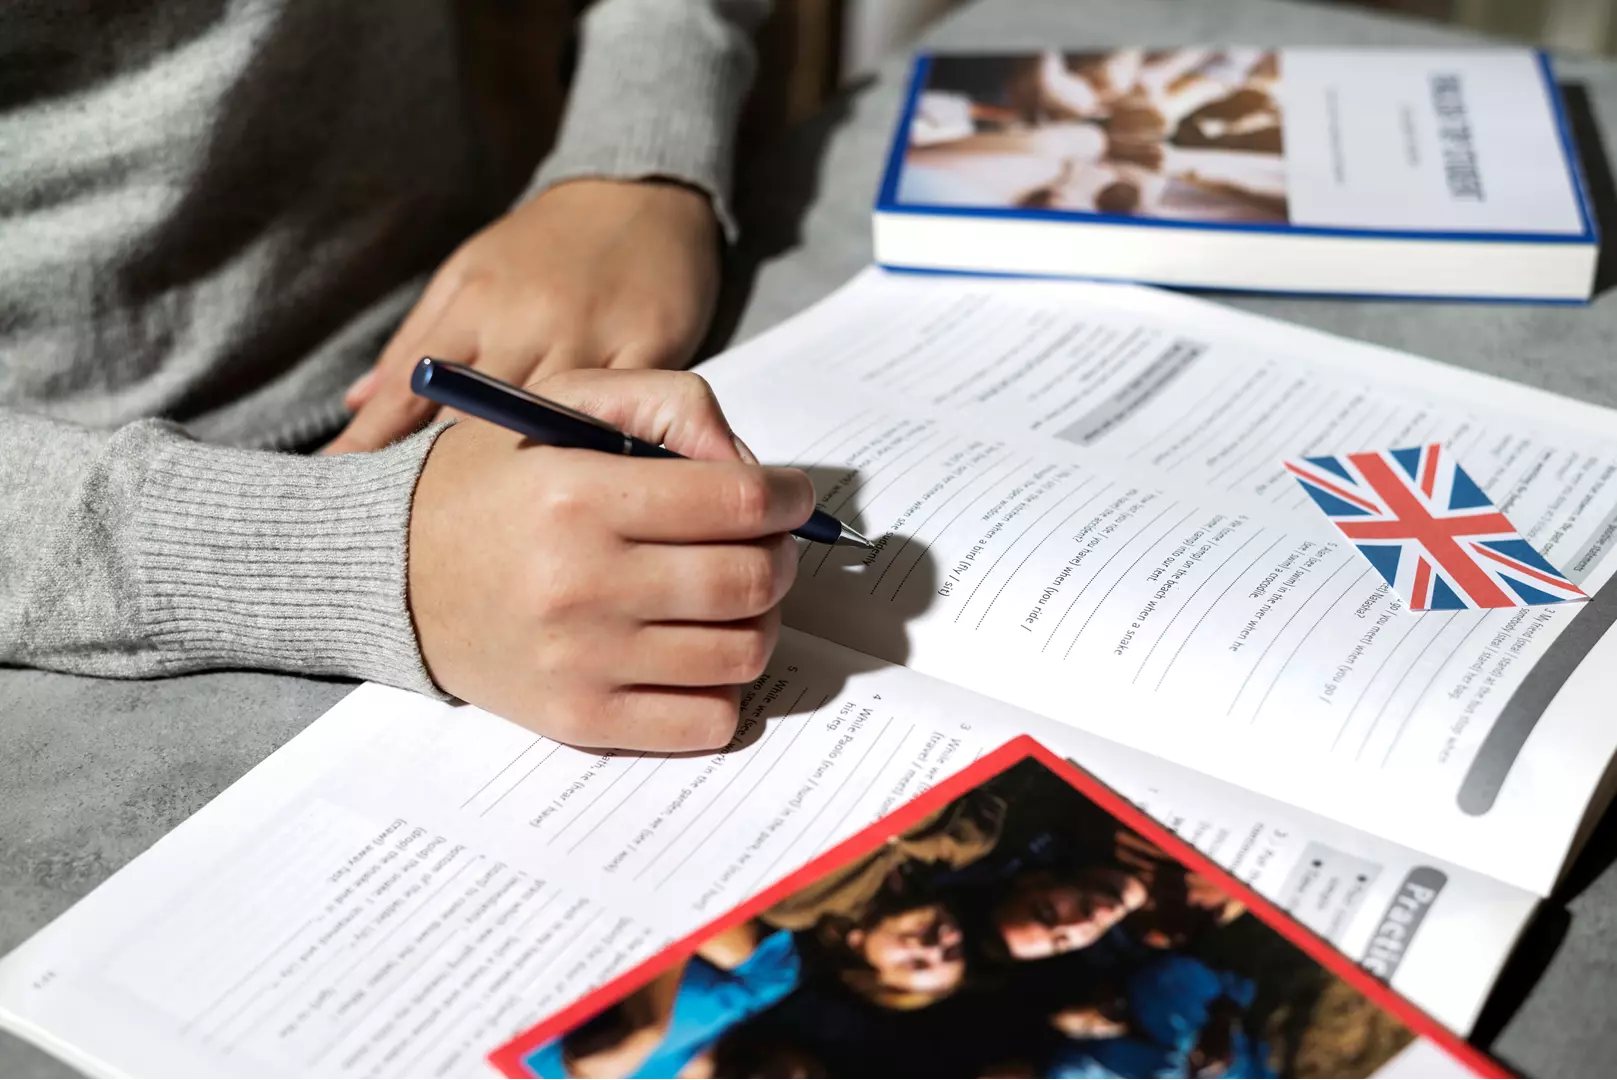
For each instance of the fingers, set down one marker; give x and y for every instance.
(715, 583)
(702, 654)
(678, 502)
(674, 408)
(401, 351)
(656, 719)
(393, 410)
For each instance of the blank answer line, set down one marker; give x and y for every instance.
(570, 822)
(915, 444)
(1023, 535)
(1168, 430)
(1221, 419)
(503, 770)
(520, 781)
(1438, 670)
(604, 818)
(829, 435)
(1273, 455)
(1017, 569)
(888, 760)
(1265, 450)
(718, 795)
(947, 525)
(1298, 495)
(1238, 453)
(1191, 600)
(910, 444)
(831, 798)
(1221, 595)
(1286, 663)
(808, 721)
(1370, 423)
(987, 470)
(1392, 651)
(1296, 611)
(1122, 547)
(1413, 664)
(1129, 569)
(934, 454)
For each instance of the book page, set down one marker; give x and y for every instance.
(407, 884)
(1079, 507)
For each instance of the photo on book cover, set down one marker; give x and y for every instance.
(1187, 134)
(1018, 920)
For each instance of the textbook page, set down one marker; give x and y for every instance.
(407, 884)
(1078, 504)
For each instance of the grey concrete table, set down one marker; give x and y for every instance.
(93, 772)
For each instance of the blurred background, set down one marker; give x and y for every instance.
(825, 44)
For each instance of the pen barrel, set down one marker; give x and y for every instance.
(821, 528)
(641, 448)
(457, 389)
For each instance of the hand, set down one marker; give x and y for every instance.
(591, 273)
(601, 600)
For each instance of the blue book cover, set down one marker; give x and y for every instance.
(1194, 165)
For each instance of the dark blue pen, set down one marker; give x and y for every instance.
(476, 394)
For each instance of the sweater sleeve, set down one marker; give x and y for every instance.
(141, 552)
(658, 93)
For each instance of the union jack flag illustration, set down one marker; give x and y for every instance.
(1430, 531)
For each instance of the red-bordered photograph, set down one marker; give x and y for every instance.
(1020, 919)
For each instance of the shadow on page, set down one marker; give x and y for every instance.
(1017, 920)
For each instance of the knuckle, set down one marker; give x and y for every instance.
(750, 654)
(750, 498)
(714, 723)
(692, 386)
(556, 597)
(566, 502)
(802, 492)
(568, 720)
(693, 392)
(785, 562)
(473, 285)
(752, 582)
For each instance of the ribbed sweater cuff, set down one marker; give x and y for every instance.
(657, 93)
(262, 560)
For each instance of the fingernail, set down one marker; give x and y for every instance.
(361, 385)
(741, 448)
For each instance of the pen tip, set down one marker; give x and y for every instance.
(854, 537)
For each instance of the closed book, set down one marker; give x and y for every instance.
(1386, 172)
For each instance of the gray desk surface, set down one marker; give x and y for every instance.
(92, 772)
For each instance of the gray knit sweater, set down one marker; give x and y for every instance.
(212, 215)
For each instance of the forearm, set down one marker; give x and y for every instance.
(141, 552)
(658, 92)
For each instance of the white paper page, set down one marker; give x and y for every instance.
(406, 884)
(1154, 549)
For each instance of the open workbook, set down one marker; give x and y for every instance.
(1085, 533)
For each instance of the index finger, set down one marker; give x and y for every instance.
(662, 500)
(675, 409)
